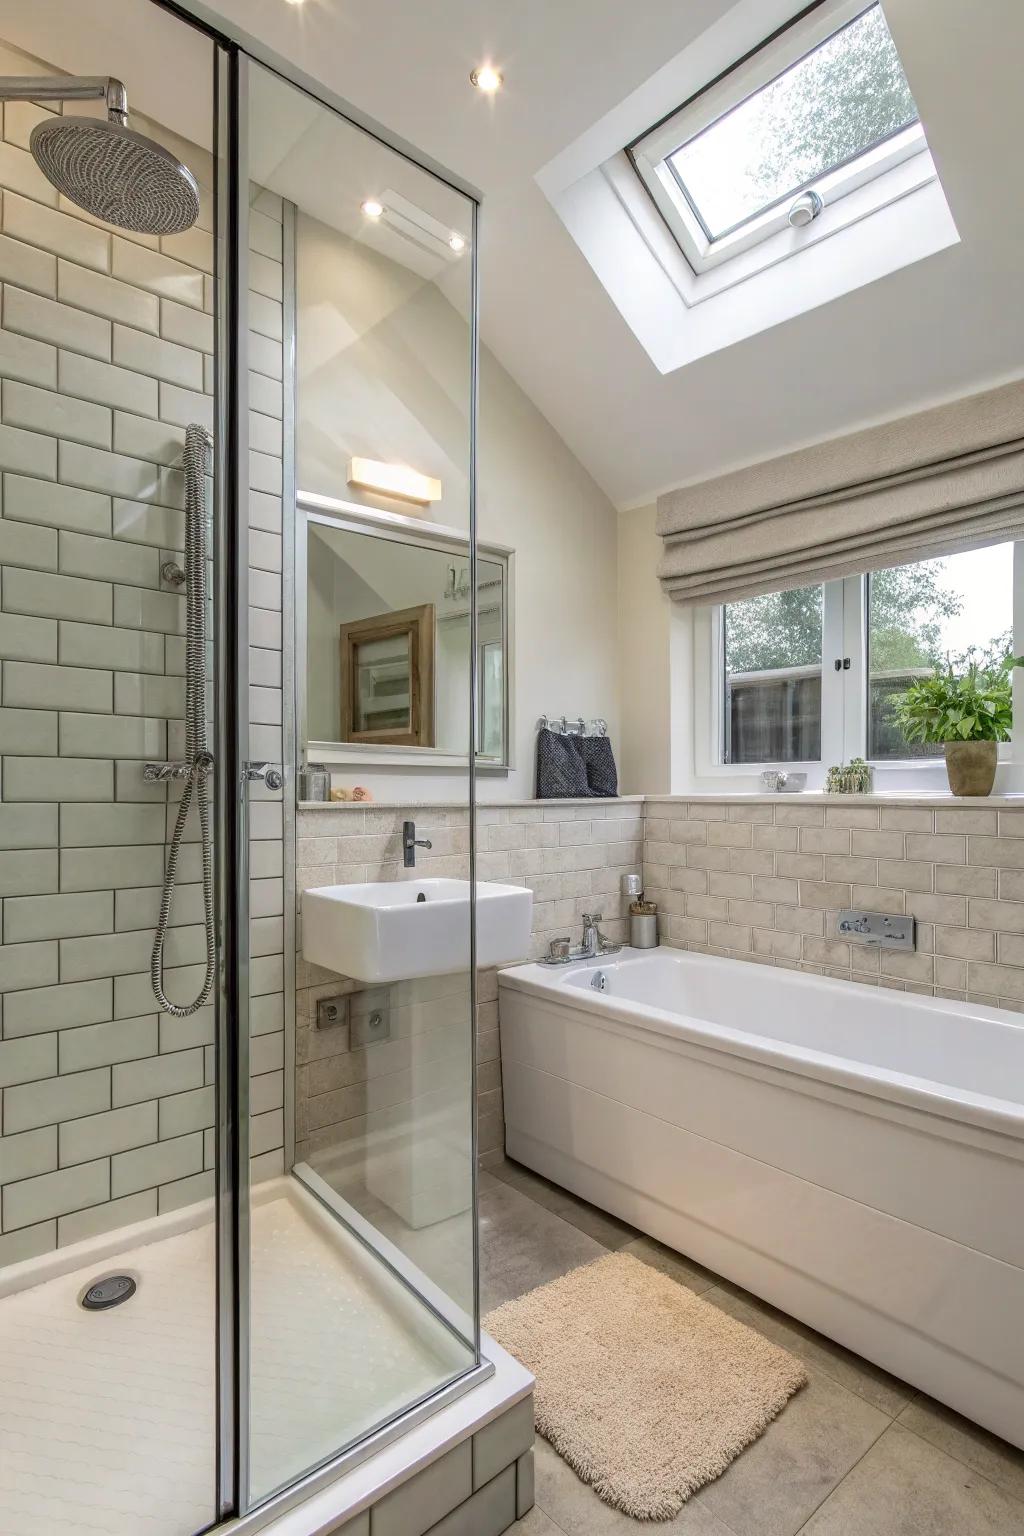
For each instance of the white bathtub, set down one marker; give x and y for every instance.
(851, 1154)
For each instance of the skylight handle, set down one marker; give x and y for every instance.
(805, 209)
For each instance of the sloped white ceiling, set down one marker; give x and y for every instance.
(943, 327)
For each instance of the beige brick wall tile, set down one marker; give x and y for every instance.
(1008, 916)
(800, 866)
(862, 817)
(879, 845)
(965, 943)
(754, 913)
(751, 861)
(900, 818)
(937, 909)
(729, 834)
(970, 880)
(946, 849)
(824, 840)
(994, 981)
(880, 899)
(799, 815)
(1001, 852)
(729, 884)
(905, 874)
(729, 936)
(772, 888)
(825, 893)
(986, 822)
(784, 839)
(799, 919)
(841, 867)
(822, 951)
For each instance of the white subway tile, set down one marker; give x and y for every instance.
(160, 1163)
(265, 359)
(182, 1113)
(138, 907)
(138, 608)
(27, 1060)
(265, 434)
(25, 544)
(265, 550)
(161, 359)
(90, 869)
(28, 827)
(194, 247)
(24, 639)
(42, 410)
(146, 439)
(28, 872)
(118, 475)
(43, 1009)
(56, 506)
(52, 1100)
(105, 296)
(265, 511)
(20, 173)
(266, 394)
(109, 954)
(53, 778)
(265, 234)
(46, 320)
(108, 560)
(97, 826)
(28, 453)
(56, 232)
(264, 667)
(28, 733)
(181, 407)
(29, 1153)
(265, 276)
(114, 1130)
(144, 523)
(59, 597)
(112, 1216)
(58, 917)
(159, 274)
(84, 736)
(264, 589)
(38, 686)
(187, 327)
(139, 693)
(102, 1045)
(266, 317)
(107, 383)
(28, 1243)
(103, 645)
(23, 358)
(54, 1194)
(157, 1076)
(20, 117)
(27, 267)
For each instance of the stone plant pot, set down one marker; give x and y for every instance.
(971, 766)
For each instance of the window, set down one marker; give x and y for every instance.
(772, 711)
(808, 676)
(808, 135)
(933, 614)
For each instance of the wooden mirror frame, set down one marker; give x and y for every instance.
(419, 625)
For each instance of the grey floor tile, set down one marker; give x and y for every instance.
(523, 1246)
(870, 1382)
(906, 1487)
(536, 1523)
(1000, 1462)
(577, 1511)
(604, 1228)
(693, 1276)
(777, 1482)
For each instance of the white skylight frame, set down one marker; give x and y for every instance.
(889, 170)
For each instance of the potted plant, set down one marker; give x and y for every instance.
(969, 715)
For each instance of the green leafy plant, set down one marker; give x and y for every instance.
(977, 706)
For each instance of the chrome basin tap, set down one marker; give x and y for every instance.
(594, 941)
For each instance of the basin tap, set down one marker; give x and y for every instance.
(594, 941)
(410, 842)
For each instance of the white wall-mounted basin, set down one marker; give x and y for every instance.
(391, 930)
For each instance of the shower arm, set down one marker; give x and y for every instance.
(68, 88)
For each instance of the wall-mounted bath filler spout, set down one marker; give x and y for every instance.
(105, 168)
(410, 842)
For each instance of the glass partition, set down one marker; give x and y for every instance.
(362, 1292)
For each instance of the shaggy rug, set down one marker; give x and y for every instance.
(647, 1391)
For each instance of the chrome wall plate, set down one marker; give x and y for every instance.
(880, 928)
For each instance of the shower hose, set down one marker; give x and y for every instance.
(198, 759)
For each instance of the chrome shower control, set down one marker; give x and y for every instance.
(879, 928)
(253, 773)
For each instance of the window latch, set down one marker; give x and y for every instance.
(842, 663)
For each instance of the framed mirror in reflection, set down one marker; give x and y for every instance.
(388, 639)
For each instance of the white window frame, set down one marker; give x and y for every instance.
(871, 181)
(844, 725)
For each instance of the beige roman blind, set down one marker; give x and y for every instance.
(930, 484)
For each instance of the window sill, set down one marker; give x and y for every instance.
(820, 797)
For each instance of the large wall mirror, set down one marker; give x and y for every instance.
(388, 639)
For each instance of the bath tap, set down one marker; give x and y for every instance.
(594, 941)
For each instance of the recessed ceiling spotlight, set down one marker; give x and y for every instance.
(371, 207)
(457, 244)
(486, 78)
(293, 2)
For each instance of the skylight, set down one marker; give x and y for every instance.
(837, 102)
(809, 133)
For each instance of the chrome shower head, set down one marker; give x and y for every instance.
(117, 175)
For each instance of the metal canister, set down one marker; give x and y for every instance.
(315, 782)
(643, 925)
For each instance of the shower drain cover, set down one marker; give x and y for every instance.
(108, 1292)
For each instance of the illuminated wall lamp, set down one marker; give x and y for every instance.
(394, 480)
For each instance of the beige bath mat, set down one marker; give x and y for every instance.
(647, 1391)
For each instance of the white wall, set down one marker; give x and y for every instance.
(644, 675)
(381, 358)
